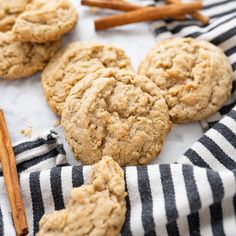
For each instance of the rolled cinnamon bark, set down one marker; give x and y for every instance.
(115, 5)
(197, 15)
(145, 14)
(11, 179)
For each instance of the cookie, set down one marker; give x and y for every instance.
(45, 20)
(73, 64)
(116, 113)
(18, 59)
(97, 209)
(9, 11)
(195, 76)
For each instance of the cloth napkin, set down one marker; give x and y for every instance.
(194, 196)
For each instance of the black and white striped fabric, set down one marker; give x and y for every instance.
(194, 196)
(221, 31)
(37, 154)
(43, 152)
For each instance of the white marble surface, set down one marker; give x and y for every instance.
(23, 100)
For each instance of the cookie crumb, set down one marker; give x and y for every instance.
(29, 125)
(27, 132)
(56, 123)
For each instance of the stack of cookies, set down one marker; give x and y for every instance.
(30, 32)
(107, 109)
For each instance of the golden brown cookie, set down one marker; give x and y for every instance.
(116, 113)
(9, 11)
(194, 75)
(96, 209)
(73, 64)
(18, 59)
(45, 20)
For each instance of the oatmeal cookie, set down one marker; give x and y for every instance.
(116, 113)
(18, 59)
(45, 20)
(9, 11)
(97, 209)
(195, 76)
(73, 64)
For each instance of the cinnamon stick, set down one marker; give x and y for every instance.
(180, 17)
(11, 179)
(115, 5)
(147, 13)
(197, 15)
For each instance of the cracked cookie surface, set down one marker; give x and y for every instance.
(18, 59)
(45, 20)
(195, 76)
(74, 63)
(116, 113)
(97, 209)
(9, 11)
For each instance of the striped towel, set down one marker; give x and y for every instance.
(33, 156)
(43, 152)
(194, 196)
